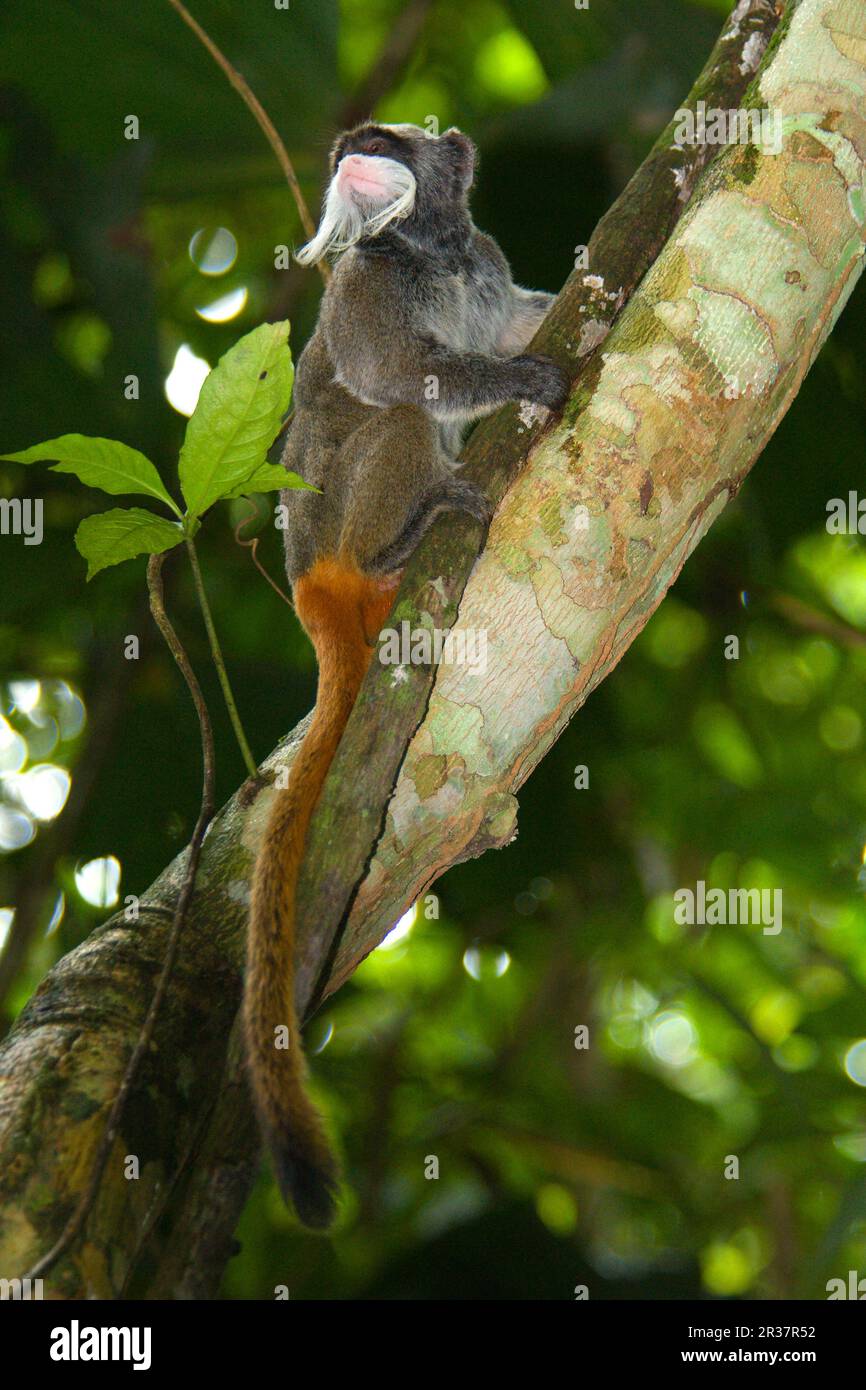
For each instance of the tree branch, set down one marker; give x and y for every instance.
(626, 242)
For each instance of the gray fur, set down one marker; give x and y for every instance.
(415, 338)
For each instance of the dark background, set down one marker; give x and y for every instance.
(557, 1166)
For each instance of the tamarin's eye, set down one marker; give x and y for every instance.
(375, 146)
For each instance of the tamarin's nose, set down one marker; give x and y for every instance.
(353, 161)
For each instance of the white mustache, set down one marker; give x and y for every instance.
(343, 222)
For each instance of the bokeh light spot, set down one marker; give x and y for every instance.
(13, 748)
(726, 1270)
(671, 1038)
(855, 1062)
(43, 790)
(841, 728)
(7, 917)
(98, 881)
(213, 250)
(185, 380)
(227, 307)
(485, 962)
(25, 695)
(557, 1208)
(57, 915)
(402, 929)
(16, 829)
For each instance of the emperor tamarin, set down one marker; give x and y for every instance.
(421, 330)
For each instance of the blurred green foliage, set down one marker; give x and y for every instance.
(558, 1165)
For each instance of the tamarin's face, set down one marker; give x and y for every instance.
(382, 174)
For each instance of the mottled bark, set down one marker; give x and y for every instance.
(663, 426)
(623, 246)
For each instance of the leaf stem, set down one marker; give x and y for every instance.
(243, 88)
(216, 651)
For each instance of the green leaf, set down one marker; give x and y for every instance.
(103, 463)
(239, 412)
(123, 533)
(268, 477)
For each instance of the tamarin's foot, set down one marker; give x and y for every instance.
(388, 583)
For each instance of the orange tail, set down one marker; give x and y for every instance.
(342, 611)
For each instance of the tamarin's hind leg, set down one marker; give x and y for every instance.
(386, 464)
(396, 465)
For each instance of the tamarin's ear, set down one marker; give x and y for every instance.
(337, 149)
(465, 152)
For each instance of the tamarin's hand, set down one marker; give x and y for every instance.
(421, 330)
(545, 382)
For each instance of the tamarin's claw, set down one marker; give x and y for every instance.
(388, 582)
